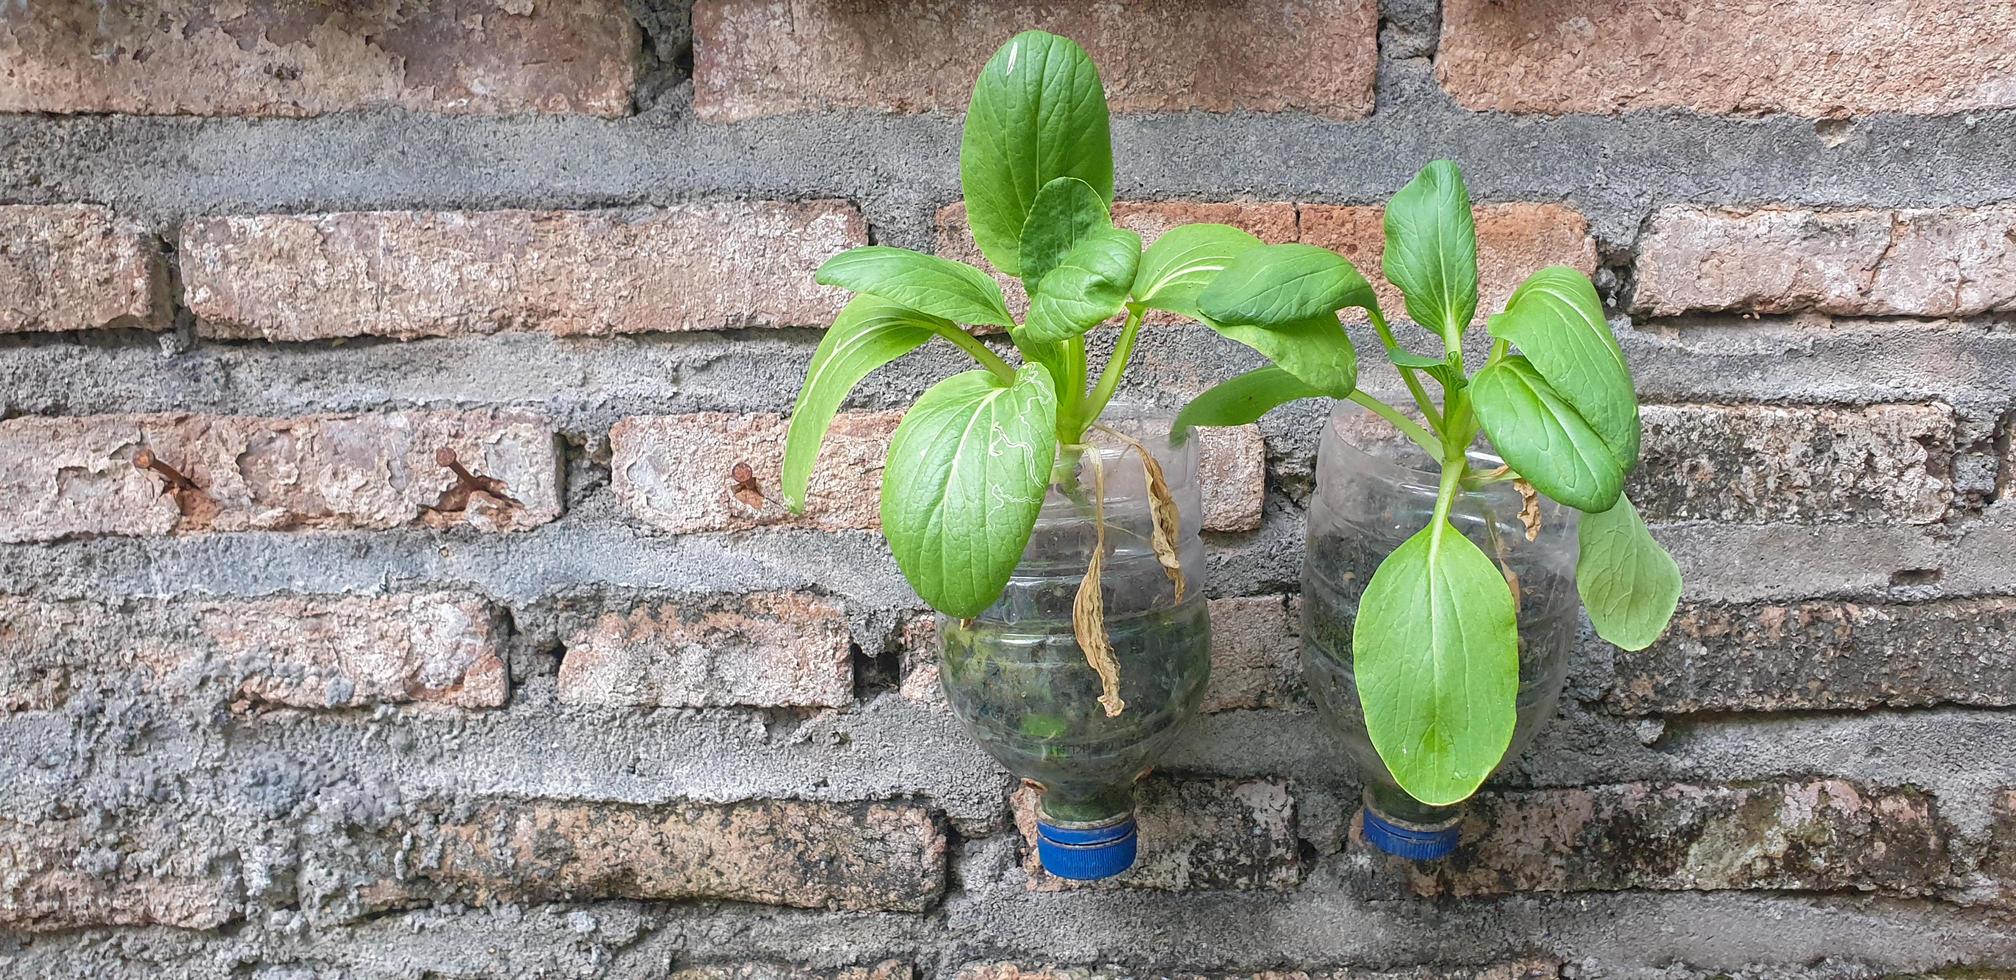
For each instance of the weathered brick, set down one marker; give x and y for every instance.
(1728, 56)
(854, 856)
(674, 472)
(1196, 834)
(74, 476)
(1824, 655)
(1955, 262)
(753, 58)
(1999, 861)
(1520, 970)
(131, 869)
(1256, 654)
(78, 267)
(710, 266)
(1750, 464)
(292, 652)
(766, 650)
(1823, 835)
(350, 651)
(203, 57)
(1513, 240)
(885, 970)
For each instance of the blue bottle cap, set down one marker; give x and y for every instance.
(1087, 853)
(1415, 843)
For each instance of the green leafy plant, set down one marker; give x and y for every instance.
(1435, 640)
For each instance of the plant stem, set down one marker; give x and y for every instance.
(987, 358)
(1406, 425)
(1071, 401)
(1406, 373)
(1109, 376)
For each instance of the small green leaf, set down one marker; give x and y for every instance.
(1065, 212)
(968, 468)
(1243, 399)
(1435, 650)
(1038, 113)
(1629, 584)
(1281, 283)
(1315, 350)
(1181, 263)
(1556, 318)
(869, 333)
(1431, 250)
(1086, 289)
(1543, 437)
(926, 283)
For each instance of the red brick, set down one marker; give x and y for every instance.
(78, 267)
(1830, 58)
(154, 869)
(851, 856)
(885, 970)
(1513, 240)
(1823, 835)
(755, 58)
(1196, 835)
(352, 651)
(405, 274)
(1749, 464)
(673, 472)
(1256, 654)
(1999, 861)
(75, 476)
(1824, 656)
(1956, 262)
(1520, 970)
(207, 58)
(766, 650)
(314, 652)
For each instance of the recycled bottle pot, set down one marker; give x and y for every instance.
(1019, 682)
(1374, 489)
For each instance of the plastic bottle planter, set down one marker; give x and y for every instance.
(1373, 490)
(1018, 680)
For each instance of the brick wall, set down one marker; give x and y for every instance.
(302, 700)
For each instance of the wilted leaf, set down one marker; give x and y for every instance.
(1088, 610)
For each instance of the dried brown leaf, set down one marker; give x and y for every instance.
(1088, 610)
(1529, 509)
(1163, 511)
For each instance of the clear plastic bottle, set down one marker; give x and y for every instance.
(1020, 684)
(1374, 489)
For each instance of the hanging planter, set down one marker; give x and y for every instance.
(1081, 715)
(1438, 603)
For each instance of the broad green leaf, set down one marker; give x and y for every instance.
(968, 468)
(1038, 113)
(1435, 650)
(1086, 289)
(1280, 283)
(1629, 584)
(1431, 250)
(926, 283)
(1066, 210)
(869, 333)
(1543, 437)
(1243, 399)
(1181, 263)
(1315, 350)
(1556, 318)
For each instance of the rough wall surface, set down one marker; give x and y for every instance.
(304, 700)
